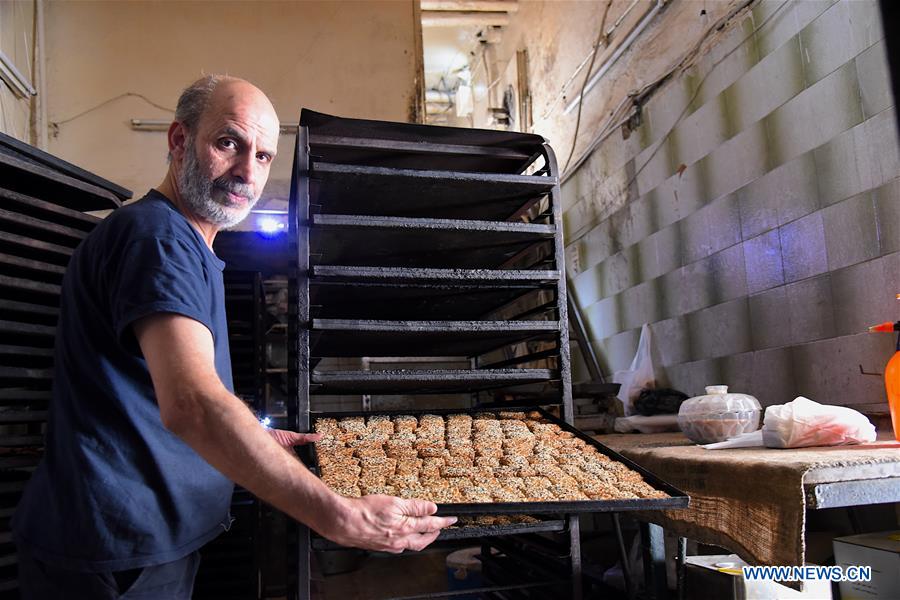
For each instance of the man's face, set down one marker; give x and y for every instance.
(226, 161)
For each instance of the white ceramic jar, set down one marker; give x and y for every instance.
(718, 415)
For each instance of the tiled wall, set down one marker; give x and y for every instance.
(754, 218)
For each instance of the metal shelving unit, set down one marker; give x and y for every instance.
(245, 302)
(415, 241)
(231, 564)
(41, 223)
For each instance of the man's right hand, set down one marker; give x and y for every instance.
(386, 524)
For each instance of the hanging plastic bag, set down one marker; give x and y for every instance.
(639, 376)
(803, 423)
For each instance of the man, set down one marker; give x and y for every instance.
(145, 436)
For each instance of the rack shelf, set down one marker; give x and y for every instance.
(426, 381)
(17, 244)
(344, 337)
(13, 147)
(382, 143)
(40, 227)
(350, 149)
(22, 416)
(21, 395)
(44, 182)
(352, 189)
(421, 275)
(27, 329)
(28, 353)
(35, 311)
(33, 207)
(16, 266)
(431, 243)
(359, 300)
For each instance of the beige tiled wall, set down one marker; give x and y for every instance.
(754, 218)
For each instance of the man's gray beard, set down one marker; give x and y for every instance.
(197, 190)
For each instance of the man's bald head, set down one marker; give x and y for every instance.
(197, 97)
(222, 143)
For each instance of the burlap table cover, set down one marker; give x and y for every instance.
(749, 500)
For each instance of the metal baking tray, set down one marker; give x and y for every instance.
(676, 499)
(465, 532)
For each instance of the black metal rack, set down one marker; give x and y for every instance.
(245, 302)
(231, 562)
(418, 241)
(41, 223)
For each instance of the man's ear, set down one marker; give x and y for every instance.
(177, 139)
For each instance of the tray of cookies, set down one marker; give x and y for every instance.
(482, 461)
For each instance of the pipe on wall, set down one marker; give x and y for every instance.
(41, 135)
(620, 50)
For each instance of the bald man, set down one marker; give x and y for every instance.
(145, 435)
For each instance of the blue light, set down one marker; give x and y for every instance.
(265, 422)
(270, 225)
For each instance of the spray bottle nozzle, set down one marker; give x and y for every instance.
(885, 327)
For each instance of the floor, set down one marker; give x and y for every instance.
(384, 576)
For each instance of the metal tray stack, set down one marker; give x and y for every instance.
(41, 223)
(429, 242)
(246, 308)
(230, 569)
(527, 567)
(417, 242)
(231, 563)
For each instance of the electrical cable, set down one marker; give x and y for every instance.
(113, 99)
(562, 92)
(608, 129)
(601, 37)
(686, 63)
(641, 96)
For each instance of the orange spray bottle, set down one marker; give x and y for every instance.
(892, 375)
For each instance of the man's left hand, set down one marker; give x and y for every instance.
(289, 439)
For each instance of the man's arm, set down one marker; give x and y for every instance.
(196, 406)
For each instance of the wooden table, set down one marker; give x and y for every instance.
(771, 488)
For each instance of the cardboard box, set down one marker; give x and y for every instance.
(720, 577)
(881, 551)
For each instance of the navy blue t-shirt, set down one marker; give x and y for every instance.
(116, 490)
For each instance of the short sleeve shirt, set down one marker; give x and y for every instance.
(116, 490)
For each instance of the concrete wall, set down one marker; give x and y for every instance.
(109, 62)
(558, 37)
(754, 217)
(17, 43)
